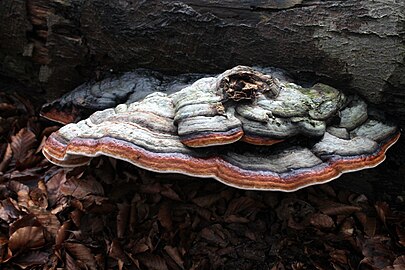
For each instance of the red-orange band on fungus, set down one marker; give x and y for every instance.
(212, 139)
(225, 172)
(260, 141)
(61, 116)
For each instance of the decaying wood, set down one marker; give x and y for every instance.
(356, 45)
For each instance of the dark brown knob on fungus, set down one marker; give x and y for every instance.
(285, 138)
(247, 85)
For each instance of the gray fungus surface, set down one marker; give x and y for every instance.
(249, 128)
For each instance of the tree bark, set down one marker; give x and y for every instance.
(354, 45)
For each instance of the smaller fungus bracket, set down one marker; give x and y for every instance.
(266, 144)
(245, 104)
(109, 92)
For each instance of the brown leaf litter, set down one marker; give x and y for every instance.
(111, 215)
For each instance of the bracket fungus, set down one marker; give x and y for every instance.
(129, 87)
(245, 128)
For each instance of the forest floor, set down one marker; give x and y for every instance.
(112, 215)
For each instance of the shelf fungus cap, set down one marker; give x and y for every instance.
(244, 128)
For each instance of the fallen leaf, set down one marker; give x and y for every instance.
(152, 262)
(80, 188)
(383, 211)
(215, 235)
(32, 258)
(22, 144)
(168, 192)
(207, 200)
(295, 213)
(326, 189)
(71, 263)
(244, 205)
(321, 221)
(116, 251)
(6, 158)
(165, 217)
(5, 252)
(81, 254)
(8, 210)
(334, 208)
(26, 238)
(376, 254)
(400, 230)
(62, 233)
(38, 197)
(278, 266)
(122, 219)
(48, 220)
(347, 228)
(236, 219)
(52, 186)
(369, 223)
(339, 256)
(174, 254)
(400, 260)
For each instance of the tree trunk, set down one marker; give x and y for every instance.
(354, 45)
